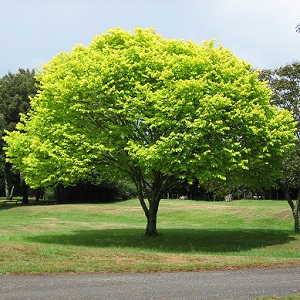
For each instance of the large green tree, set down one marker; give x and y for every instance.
(285, 84)
(15, 90)
(154, 110)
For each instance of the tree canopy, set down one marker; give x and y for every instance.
(15, 90)
(152, 109)
(285, 85)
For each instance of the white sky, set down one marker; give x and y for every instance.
(261, 32)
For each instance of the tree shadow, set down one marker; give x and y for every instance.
(10, 205)
(171, 240)
(30, 203)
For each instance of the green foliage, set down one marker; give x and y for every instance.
(102, 192)
(153, 110)
(15, 90)
(285, 84)
(138, 104)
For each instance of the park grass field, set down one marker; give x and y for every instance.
(193, 235)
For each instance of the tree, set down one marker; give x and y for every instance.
(291, 180)
(153, 110)
(15, 90)
(285, 84)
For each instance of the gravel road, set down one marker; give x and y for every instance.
(241, 284)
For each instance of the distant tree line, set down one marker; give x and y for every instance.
(285, 85)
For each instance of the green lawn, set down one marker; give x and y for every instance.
(289, 297)
(194, 235)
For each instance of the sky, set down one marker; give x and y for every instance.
(261, 32)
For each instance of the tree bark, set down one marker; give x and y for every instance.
(59, 194)
(9, 191)
(24, 193)
(295, 208)
(154, 194)
(37, 196)
(154, 199)
(297, 213)
(152, 217)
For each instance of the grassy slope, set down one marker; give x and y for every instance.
(109, 237)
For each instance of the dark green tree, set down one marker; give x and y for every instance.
(15, 91)
(285, 84)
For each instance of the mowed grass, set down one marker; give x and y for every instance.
(193, 235)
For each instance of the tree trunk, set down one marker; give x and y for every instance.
(295, 208)
(296, 217)
(24, 193)
(154, 194)
(6, 187)
(9, 191)
(152, 217)
(59, 194)
(37, 196)
(297, 213)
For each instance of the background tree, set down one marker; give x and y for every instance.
(2, 155)
(15, 90)
(153, 110)
(285, 84)
(291, 180)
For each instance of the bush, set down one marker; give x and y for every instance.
(95, 193)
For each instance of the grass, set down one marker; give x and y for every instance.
(289, 297)
(194, 235)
